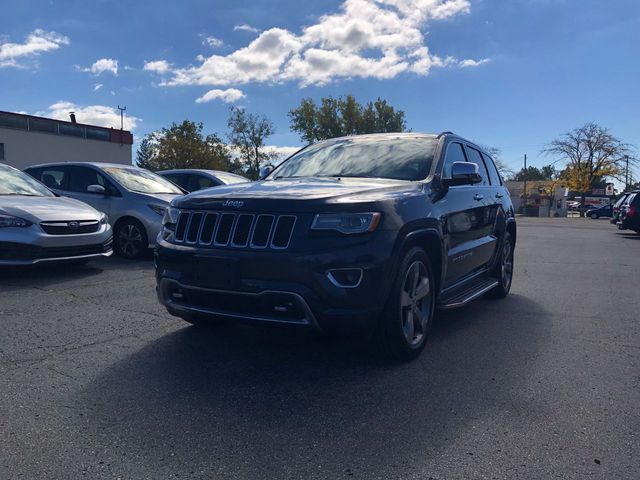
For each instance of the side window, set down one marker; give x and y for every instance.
(54, 177)
(454, 154)
(179, 179)
(82, 177)
(198, 182)
(494, 176)
(475, 157)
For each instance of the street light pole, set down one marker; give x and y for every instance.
(525, 184)
(626, 174)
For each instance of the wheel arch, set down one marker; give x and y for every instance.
(430, 240)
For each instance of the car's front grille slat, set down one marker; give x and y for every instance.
(235, 230)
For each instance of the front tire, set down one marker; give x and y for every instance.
(130, 239)
(407, 318)
(504, 270)
(594, 216)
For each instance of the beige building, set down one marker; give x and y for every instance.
(27, 140)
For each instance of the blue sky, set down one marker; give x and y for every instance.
(508, 73)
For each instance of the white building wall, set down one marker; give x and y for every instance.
(25, 148)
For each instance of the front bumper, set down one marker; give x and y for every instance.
(30, 246)
(276, 287)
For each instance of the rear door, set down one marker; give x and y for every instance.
(467, 214)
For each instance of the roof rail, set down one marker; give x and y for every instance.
(445, 133)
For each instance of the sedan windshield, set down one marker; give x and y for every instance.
(399, 158)
(142, 181)
(14, 182)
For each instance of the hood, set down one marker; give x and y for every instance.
(160, 197)
(326, 190)
(47, 209)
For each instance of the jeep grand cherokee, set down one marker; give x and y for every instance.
(367, 232)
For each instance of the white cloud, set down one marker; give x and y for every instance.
(103, 65)
(37, 42)
(97, 87)
(158, 66)
(282, 152)
(365, 38)
(473, 63)
(229, 95)
(100, 115)
(212, 42)
(245, 28)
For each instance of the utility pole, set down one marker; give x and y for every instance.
(525, 183)
(122, 110)
(626, 174)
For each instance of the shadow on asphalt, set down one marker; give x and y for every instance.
(629, 235)
(246, 401)
(47, 274)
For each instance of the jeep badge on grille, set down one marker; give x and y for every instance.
(233, 203)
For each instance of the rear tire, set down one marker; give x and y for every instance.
(504, 270)
(594, 216)
(405, 323)
(130, 239)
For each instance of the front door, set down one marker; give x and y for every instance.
(469, 219)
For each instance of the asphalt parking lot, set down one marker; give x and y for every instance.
(97, 381)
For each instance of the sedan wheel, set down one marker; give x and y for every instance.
(594, 216)
(130, 239)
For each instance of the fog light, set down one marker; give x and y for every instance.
(178, 293)
(345, 277)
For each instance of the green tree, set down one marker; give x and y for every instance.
(336, 117)
(184, 145)
(547, 172)
(247, 134)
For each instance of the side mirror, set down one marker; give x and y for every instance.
(462, 173)
(96, 189)
(264, 171)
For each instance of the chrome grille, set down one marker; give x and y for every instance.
(70, 227)
(235, 230)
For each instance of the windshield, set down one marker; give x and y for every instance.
(14, 182)
(399, 158)
(142, 181)
(229, 178)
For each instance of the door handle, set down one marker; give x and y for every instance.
(499, 195)
(478, 197)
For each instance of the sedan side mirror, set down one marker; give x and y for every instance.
(264, 171)
(463, 173)
(96, 189)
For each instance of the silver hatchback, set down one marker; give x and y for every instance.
(133, 198)
(36, 226)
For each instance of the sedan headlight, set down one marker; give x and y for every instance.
(158, 209)
(170, 216)
(347, 222)
(11, 221)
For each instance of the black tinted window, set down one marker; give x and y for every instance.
(399, 158)
(474, 156)
(179, 179)
(494, 176)
(454, 154)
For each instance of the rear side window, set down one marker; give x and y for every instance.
(179, 179)
(494, 176)
(52, 177)
(475, 157)
(455, 153)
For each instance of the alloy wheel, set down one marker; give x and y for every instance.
(415, 303)
(506, 273)
(130, 240)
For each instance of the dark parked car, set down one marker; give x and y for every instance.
(616, 206)
(368, 233)
(629, 218)
(603, 211)
(196, 179)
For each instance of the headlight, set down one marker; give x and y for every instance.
(104, 219)
(158, 209)
(346, 222)
(10, 221)
(170, 216)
